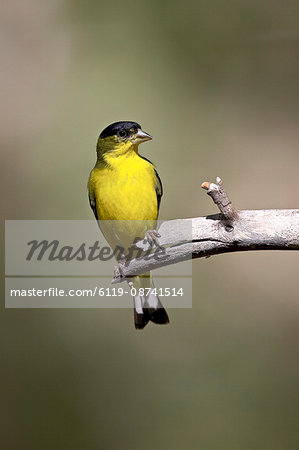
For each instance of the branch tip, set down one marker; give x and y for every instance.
(210, 186)
(206, 185)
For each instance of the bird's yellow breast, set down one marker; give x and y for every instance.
(125, 189)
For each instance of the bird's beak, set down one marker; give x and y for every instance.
(141, 136)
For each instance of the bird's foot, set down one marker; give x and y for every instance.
(152, 238)
(119, 269)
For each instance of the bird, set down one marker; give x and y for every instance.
(125, 193)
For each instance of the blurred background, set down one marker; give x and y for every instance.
(216, 84)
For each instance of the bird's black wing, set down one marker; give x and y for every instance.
(92, 203)
(158, 187)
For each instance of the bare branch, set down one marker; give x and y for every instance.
(229, 231)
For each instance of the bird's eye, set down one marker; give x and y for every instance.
(122, 133)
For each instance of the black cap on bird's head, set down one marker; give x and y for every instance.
(126, 131)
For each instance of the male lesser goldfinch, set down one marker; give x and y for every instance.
(125, 188)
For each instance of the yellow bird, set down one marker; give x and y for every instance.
(125, 191)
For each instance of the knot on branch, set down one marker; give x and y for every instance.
(221, 199)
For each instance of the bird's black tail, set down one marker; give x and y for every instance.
(158, 316)
(149, 309)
